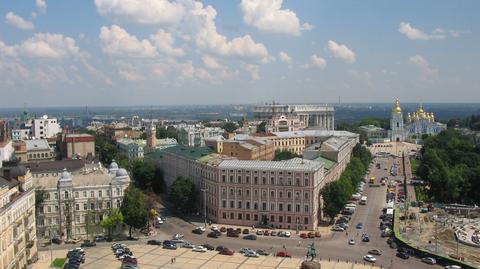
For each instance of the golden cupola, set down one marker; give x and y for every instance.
(396, 107)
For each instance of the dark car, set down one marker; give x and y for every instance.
(213, 235)
(208, 246)
(88, 244)
(403, 255)
(220, 248)
(100, 238)
(154, 242)
(284, 254)
(366, 238)
(197, 231)
(250, 237)
(170, 246)
(262, 252)
(56, 240)
(246, 231)
(226, 251)
(232, 234)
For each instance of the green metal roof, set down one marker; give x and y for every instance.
(190, 152)
(328, 164)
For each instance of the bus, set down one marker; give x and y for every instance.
(372, 180)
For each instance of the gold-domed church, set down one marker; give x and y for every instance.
(417, 124)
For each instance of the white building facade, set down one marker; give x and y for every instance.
(194, 135)
(45, 127)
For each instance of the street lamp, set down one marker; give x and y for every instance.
(204, 190)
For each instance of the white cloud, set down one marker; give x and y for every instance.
(417, 34)
(307, 27)
(423, 65)
(341, 51)
(284, 57)
(164, 42)
(18, 21)
(253, 70)
(317, 61)
(210, 62)
(41, 5)
(117, 41)
(145, 11)
(268, 15)
(128, 72)
(43, 45)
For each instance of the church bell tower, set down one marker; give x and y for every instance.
(396, 123)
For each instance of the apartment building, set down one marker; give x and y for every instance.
(243, 147)
(134, 149)
(194, 135)
(72, 196)
(17, 218)
(77, 146)
(45, 127)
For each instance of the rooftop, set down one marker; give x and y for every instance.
(334, 143)
(323, 133)
(190, 152)
(37, 144)
(79, 178)
(370, 128)
(327, 164)
(295, 164)
(79, 135)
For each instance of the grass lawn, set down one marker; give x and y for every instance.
(415, 163)
(421, 194)
(59, 262)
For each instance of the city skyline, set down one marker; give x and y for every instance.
(117, 53)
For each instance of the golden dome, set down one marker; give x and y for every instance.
(397, 108)
(420, 109)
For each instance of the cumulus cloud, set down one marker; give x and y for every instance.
(116, 41)
(18, 21)
(417, 34)
(268, 15)
(317, 61)
(164, 42)
(190, 20)
(129, 73)
(145, 11)
(210, 62)
(341, 51)
(43, 45)
(41, 5)
(253, 70)
(284, 57)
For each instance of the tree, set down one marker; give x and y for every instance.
(182, 194)
(133, 209)
(143, 173)
(285, 154)
(262, 127)
(230, 127)
(107, 153)
(112, 221)
(89, 223)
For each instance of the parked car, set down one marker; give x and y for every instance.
(188, 245)
(429, 260)
(169, 246)
(208, 246)
(154, 242)
(311, 235)
(351, 242)
(243, 250)
(359, 225)
(87, 244)
(375, 252)
(226, 251)
(262, 252)
(215, 229)
(318, 234)
(273, 233)
(369, 258)
(199, 249)
(284, 254)
(403, 255)
(214, 235)
(246, 231)
(252, 253)
(338, 229)
(250, 237)
(178, 236)
(197, 231)
(232, 234)
(223, 229)
(99, 238)
(453, 267)
(56, 240)
(287, 234)
(303, 235)
(219, 248)
(365, 238)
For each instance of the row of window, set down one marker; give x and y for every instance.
(83, 194)
(84, 206)
(272, 219)
(264, 194)
(248, 206)
(40, 155)
(265, 181)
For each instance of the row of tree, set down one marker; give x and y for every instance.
(336, 194)
(451, 165)
(285, 154)
(472, 122)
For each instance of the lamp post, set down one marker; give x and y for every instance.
(204, 190)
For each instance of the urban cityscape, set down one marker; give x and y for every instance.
(253, 134)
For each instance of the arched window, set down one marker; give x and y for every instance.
(66, 194)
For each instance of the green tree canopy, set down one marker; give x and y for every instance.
(230, 127)
(262, 127)
(112, 221)
(133, 209)
(182, 194)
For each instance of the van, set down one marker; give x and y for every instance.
(363, 201)
(349, 210)
(351, 205)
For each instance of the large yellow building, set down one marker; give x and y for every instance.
(18, 245)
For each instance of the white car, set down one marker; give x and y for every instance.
(199, 249)
(188, 245)
(177, 236)
(338, 229)
(201, 228)
(453, 267)
(214, 228)
(252, 253)
(429, 260)
(369, 258)
(159, 220)
(245, 250)
(287, 234)
(351, 242)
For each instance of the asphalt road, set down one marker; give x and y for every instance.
(330, 247)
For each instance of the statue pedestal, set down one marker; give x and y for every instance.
(310, 265)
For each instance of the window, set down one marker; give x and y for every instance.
(66, 194)
(297, 208)
(224, 203)
(118, 203)
(232, 216)
(280, 207)
(305, 220)
(255, 192)
(289, 219)
(306, 196)
(306, 209)
(289, 207)
(289, 195)
(108, 204)
(76, 194)
(255, 217)
(280, 194)
(99, 193)
(247, 205)
(239, 192)
(92, 206)
(247, 180)
(239, 216)
(248, 192)
(272, 207)
(231, 179)
(92, 194)
(247, 216)
(49, 209)
(77, 207)
(264, 206)
(255, 206)
(232, 193)
(56, 208)
(272, 181)
(85, 206)
(224, 215)
(256, 180)
(239, 204)
(280, 218)
(239, 179)
(84, 193)
(55, 196)
(264, 181)
(297, 182)
(272, 218)
(306, 182)
(223, 180)
(232, 205)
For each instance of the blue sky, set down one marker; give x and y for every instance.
(155, 52)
